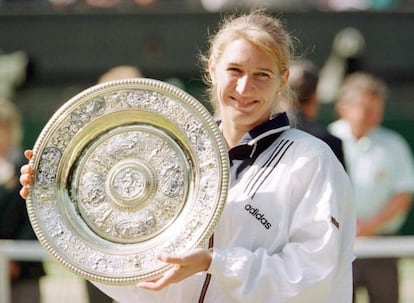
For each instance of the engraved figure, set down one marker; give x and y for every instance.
(48, 164)
(173, 181)
(144, 224)
(129, 183)
(91, 190)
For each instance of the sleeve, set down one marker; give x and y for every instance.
(315, 261)
(403, 166)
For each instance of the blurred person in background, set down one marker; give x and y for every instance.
(381, 168)
(14, 220)
(120, 72)
(125, 71)
(303, 80)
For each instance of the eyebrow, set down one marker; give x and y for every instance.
(260, 69)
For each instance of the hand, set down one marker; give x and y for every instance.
(185, 266)
(366, 228)
(26, 175)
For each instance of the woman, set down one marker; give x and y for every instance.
(287, 231)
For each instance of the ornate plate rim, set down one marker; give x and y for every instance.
(35, 198)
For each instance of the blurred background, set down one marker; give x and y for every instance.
(50, 50)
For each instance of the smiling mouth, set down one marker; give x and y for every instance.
(243, 104)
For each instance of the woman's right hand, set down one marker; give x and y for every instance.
(26, 175)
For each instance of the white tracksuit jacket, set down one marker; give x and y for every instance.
(286, 233)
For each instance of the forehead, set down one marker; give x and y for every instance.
(241, 51)
(5, 124)
(360, 98)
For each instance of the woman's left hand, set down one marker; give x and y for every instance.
(185, 265)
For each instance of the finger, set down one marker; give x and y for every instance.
(28, 153)
(24, 192)
(149, 285)
(167, 258)
(25, 179)
(158, 284)
(26, 169)
(194, 257)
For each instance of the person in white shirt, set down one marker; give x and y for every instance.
(288, 227)
(381, 168)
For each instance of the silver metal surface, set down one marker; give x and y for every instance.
(124, 170)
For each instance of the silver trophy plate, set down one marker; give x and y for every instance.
(125, 170)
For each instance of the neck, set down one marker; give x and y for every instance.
(359, 132)
(232, 134)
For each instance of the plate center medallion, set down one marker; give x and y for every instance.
(129, 183)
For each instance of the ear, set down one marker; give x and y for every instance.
(284, 79)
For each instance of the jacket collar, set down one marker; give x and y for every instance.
(257, 140)
(260, 138)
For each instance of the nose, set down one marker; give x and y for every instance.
(244, 85)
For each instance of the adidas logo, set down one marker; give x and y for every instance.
(259, 216)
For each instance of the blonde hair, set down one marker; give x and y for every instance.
(361, 82)
(257, 27)
(10, 116)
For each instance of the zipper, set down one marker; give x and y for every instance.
(208, 276)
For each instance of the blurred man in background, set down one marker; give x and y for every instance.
(303, 80)
(381, 168)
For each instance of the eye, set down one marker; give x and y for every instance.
(263, 76)
(234, 70)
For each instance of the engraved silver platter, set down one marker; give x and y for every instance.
(124, 170)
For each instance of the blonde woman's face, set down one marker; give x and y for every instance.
(247, 81)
